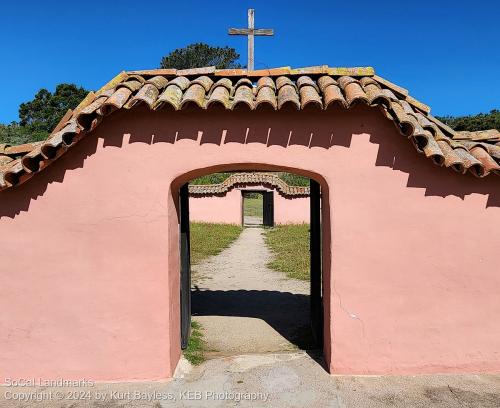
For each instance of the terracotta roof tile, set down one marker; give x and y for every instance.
(352, 90)
(319, 87)
(488, 163)
(195, 94)
(220, 94)
(265, 81)
(391, 86)
(332, 94)
(486, 135)
(159, 81)
(19, 149)
(246, 180)
(196, 71)
(266, 96)
(320, 69)
(115, 101)
(309, 96)
(422, 106)
(355, 71)
(172, 95)
(148, 94)
(269, 72)
(230, 72)
(4, 160)
(167, 72)
(243, 95)
(287, 93)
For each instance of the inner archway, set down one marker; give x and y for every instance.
(243, 306)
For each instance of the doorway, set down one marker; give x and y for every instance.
(257, 208)
(254, 303)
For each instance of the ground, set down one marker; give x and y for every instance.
(245, 307)
(289, 380)
(290, 247)
(209, 239)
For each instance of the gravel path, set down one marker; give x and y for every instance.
(245, 307)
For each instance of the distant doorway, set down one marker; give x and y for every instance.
(257, 208)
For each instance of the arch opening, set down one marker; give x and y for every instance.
(220, 304)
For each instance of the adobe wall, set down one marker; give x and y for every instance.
(227, 209)
(224, 209)
(89, 278)
(291, 210)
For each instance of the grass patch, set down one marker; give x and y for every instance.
(210, 239)
(253, 207)
(195, 351)
(290, 245)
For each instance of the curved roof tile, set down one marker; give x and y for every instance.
(320, 87)
(248, 179)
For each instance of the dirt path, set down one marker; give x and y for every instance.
(244, 306)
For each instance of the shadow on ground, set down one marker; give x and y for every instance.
(285, 312)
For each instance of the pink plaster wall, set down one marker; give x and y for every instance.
(89, 277)
(216, 209)
(293, 210)
(227, 209)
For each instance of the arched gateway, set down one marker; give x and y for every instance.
(90, 244)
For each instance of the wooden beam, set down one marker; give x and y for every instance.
(250, 39)
(263, 31)
(256, 31)
(239, 31)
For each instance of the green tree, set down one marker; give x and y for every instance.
(482, 121)
(214, 178)
(44, 112)
(14, 134)
(201, 55)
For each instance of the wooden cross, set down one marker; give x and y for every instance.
(251, 32)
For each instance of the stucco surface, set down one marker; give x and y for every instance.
(293, 210)
(226, 209)
(89, 282)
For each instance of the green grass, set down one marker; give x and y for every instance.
(253, 207)
(195, 351)
(210, 239)
(290, 245)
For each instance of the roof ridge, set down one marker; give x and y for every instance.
(312, 88)
(249, 178)
(241, 72)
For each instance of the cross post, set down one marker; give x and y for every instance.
(251, 32)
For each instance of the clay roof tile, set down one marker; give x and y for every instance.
(318, 87)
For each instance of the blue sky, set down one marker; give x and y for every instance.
(446, 53)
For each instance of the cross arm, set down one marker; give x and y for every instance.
(263, 31)
(247, 31)
(239, 31)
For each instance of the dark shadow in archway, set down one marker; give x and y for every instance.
(287, 313)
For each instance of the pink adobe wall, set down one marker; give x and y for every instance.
(89, 278)
(216, 209)
(226, 209)
(291, 210)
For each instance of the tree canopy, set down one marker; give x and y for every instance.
(40, 116)
(482, 121)
(47, 108)
(201, 55)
